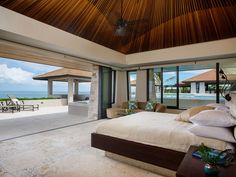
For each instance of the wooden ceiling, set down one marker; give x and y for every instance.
(165, 23)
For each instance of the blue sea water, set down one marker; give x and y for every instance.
(33, 94)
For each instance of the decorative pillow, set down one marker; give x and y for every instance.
(185, 115)
(132, 105)
(223, 134)
(214, 118)
(160, 107)
(149, 106)
(141, 105)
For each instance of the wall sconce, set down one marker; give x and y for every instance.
(225, 87)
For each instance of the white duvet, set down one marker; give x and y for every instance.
(158, 129)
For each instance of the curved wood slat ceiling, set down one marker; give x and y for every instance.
(167, 23)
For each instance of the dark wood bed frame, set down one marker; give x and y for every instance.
(154, 155)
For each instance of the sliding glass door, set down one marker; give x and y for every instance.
(187, 86)
(170, 88)
(132, 78)
(105, 91)
(198, 85)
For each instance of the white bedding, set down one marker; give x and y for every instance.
(159, 129)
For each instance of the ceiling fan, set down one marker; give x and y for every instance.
(122, 26)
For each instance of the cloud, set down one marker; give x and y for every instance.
(38, 68)
(15, 75)
(28, 66)
(195, 72)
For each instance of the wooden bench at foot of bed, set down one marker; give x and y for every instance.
(162, 157)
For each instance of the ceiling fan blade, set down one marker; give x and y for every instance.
(120, 31)
(134, 22)
(113, 17)
(137, 31)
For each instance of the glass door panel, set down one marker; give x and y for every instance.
(170, 86)
(154, 85)
(105, 91)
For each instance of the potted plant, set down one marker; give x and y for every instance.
(129, 111)
(210, 160)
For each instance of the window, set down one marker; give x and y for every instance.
(189, 85)
(197, 85)
(170, 89)
(105, 91)
(229, 68)
(163, 85)
(132, 77)
(154, 87)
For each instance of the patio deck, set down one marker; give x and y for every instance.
(20, 124)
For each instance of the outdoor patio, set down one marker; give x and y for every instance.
(24, 123)
(41, 111)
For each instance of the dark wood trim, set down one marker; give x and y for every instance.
(108, 103)
(127, 79)
(148, 77)
(114, 86)
(217, 83)
(162, 85)
(100, 95)
(177, 85)
(154, 155)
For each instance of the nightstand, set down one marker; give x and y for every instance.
(193, 167)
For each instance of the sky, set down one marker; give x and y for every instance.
(170, 77)
(17, 76)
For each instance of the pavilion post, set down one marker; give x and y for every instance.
(76, 90)
(50, 88)
(70, 90)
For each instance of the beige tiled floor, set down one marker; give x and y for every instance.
(41, 111)
(63, 152)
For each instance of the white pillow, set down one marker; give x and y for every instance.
(215, 105)
(224, 134)
(213, 118)
(232, 104)
(235, 132)
(222, 108)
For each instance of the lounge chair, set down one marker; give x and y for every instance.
(22, 105)
(5, 107)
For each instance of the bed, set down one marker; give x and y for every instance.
(150, 137)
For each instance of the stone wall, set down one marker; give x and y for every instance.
(93, 100)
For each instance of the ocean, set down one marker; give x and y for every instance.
(33, 94)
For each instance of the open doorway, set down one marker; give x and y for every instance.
(54, 89)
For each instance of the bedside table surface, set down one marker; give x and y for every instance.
(193, 167)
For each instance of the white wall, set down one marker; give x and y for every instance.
(29, 31)
(187, 52)
(193, 87)
(202, 88)
(141, 85)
